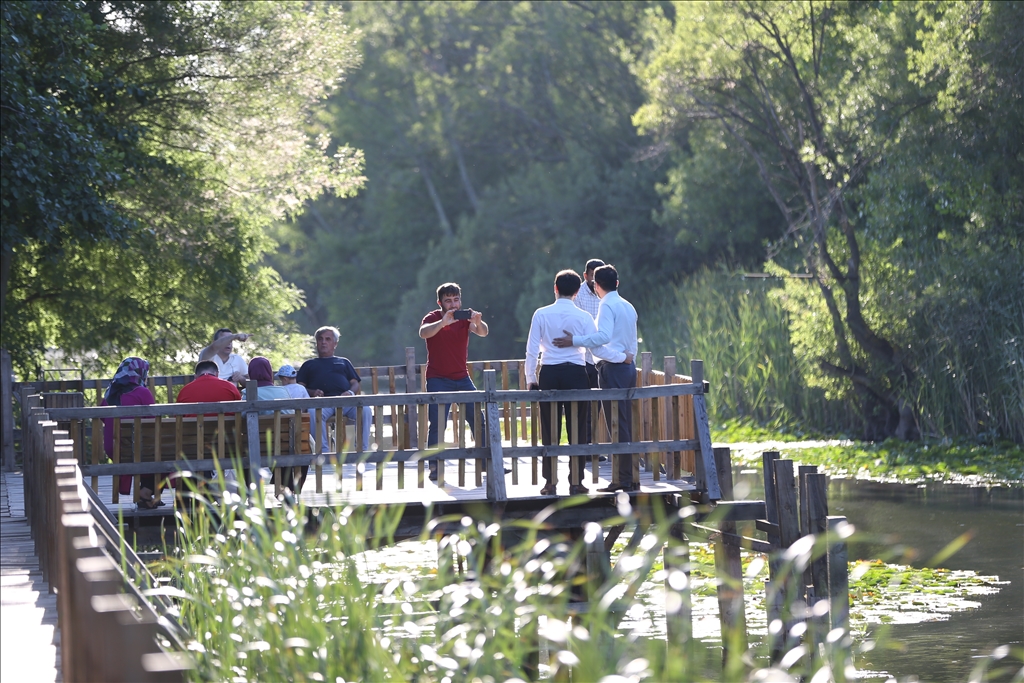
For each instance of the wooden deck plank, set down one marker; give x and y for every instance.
(29, 637)
(347, 493)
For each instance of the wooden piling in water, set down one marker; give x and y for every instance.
(678, 622)
(729, 574)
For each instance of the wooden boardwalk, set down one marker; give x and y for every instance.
(341, 492)
(29, 637)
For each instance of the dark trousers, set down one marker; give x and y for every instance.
(436, 426)
(619, 376)
(563, 376)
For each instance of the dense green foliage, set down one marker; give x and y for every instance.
(173, 159)
(499, 150)
(146, 148)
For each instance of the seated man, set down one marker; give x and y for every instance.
(230, 366)
(287, 375)
(330, 375)
(207, 387)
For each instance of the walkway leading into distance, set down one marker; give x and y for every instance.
(29, 637)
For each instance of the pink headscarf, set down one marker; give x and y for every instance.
(261, 371)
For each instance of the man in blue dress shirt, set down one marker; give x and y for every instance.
(616, 334)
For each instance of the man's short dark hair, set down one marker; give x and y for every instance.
(448, 289)
(607, 277)
(206, 367)
(593, 263)
(221, 331)
(567, 282)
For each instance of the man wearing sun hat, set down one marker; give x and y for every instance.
(287, 375)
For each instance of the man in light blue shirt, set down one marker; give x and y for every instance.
(561, 368)
(615, 336)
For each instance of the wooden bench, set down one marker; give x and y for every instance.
(199, 444)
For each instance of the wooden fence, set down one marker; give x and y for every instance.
(112, 627)
(669, 428)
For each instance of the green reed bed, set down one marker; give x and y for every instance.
(761, 339)
(282, 593)
(948, 460)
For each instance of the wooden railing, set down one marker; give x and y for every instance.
(669, 428)
(112, 626)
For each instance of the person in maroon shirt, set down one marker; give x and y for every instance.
(128, 388)
(447, 352)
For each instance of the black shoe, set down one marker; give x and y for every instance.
(548, 490)
(578, 490)
(614, 488)
(433, 475)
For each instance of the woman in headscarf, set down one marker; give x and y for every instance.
(261, 371)
(128, 388)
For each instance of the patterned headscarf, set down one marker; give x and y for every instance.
(131, 374)
(261, 371)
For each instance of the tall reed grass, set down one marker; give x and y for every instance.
(741, 332)
(267, 595)
(968, 355)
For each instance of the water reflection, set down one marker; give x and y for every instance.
(938, 640)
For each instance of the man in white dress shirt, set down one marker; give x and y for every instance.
(560, 368)
(588, 300)
(615, 346)
(230, 366)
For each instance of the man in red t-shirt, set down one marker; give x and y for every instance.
(207, 387)
(447, 351)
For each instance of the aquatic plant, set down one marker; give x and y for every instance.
(284, 592)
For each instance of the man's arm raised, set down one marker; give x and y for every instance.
(221, 344)
(428, 330)
(477, 325)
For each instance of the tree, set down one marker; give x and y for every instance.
(815, 93)
(63, 157)
(217, 97)
(500, 149)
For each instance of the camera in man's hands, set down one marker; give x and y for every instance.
(462, 314)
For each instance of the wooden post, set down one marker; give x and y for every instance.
(706, 470)
(789, 533)
(729, 571)
(668, 365)
(773, 596)
(678, 609)
(806, 589)
(410, 388)
(26, 390)
(838, 575)
(496, 467)
(816, 486)
(7, 410)
(252, 425)
(598, 560)
(646, 377)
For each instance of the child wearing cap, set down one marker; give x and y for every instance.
(287, 374)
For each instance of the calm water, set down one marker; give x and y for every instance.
(902, 524)
(926, 519)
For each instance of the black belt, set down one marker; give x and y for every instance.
(608, 362)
